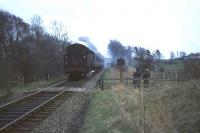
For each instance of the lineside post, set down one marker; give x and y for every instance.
(102, 84)
(120, 63)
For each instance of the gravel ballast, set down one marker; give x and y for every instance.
(68, 118)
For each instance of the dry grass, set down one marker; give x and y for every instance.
(129, 111)
(115, 73)
(164, 107)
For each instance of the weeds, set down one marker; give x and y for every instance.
(164, 107)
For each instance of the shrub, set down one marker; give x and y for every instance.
(192, 66)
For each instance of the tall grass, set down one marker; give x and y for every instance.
(115, 73)
(163, 107)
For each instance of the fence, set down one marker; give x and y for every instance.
(164, 75)
(155, 77)
(106, 83)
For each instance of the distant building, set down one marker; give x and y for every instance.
(192, 56)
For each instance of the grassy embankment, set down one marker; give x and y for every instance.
(166, 107)
(31, 86)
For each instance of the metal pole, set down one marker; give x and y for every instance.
(121, 68)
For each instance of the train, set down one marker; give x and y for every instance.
(79, 60)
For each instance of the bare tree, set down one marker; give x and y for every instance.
(36, 27)
(182, 54)
(57, 29)
(116, 49)
(144, 58)
(172, 55)
(28, 52)
(158, 54)
(2, 36)
(129, 52)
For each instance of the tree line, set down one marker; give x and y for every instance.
(135, 56)
(142, 58)
(28, 52)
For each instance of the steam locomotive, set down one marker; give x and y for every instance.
(79, 60)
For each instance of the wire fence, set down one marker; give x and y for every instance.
(136, 82)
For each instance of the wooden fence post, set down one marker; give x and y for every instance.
(102, 84)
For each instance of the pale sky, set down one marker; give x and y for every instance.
(167, 25)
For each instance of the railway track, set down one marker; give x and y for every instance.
(19, 115)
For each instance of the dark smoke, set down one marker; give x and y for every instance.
(88, 42)
(90, 45)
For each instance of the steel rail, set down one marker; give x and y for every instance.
(4, 106)
(16, 121)
(27, 114)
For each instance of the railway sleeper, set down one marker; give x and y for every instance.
(28, 109)
(33, 120)
(39, 116)
(49, 108)
(31, 106)
(10, 116)
(22, 129)
(18, 110)
(30, 123)
(13, 113)
(48, 94)
(27, 124)
(35, 102)
(40, 99)
(42, 113)
(6, 120)
(2, 124)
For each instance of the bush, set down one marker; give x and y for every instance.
(192, 66)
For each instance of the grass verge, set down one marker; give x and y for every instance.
(164, 107)
(38, 84)
(102, 112)
(30, 87)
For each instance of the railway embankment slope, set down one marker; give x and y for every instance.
(164, 106)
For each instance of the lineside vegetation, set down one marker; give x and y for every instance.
(167, 107)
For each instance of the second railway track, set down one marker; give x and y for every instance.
(13, 116)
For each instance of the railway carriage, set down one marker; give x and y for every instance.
(79, 60)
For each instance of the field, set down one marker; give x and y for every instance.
(164, 107)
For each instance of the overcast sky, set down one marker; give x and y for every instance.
(167, 25)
